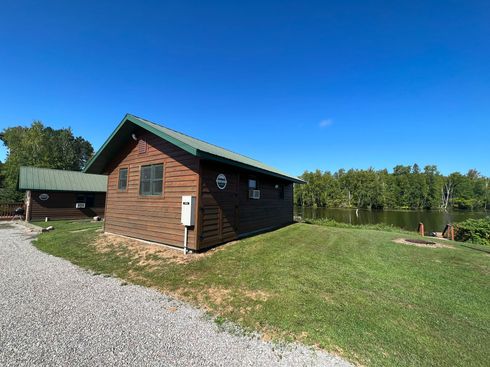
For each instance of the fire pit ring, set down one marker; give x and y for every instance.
(420, 242)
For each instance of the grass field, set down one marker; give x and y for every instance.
(349, 291)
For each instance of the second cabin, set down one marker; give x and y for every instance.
(157, 175)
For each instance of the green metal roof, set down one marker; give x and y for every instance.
(196, 147)
(33, 178)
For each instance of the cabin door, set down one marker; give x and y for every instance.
(219, 207)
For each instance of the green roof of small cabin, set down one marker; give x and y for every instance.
(194, 146)
(33, 178)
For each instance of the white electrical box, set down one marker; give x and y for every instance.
(188, 210)
(80, 205)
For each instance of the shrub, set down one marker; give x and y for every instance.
(376, 227)
(473, 230)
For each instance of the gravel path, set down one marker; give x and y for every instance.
(53, 313)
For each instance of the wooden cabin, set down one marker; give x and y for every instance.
(59, 194)
(150, 169)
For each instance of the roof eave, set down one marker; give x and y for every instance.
(188, 148)
(137, 121)
(60, 190)
(101, 149)
(216, 158)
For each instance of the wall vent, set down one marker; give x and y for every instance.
(142, 146)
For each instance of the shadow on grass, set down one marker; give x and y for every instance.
(476, 249)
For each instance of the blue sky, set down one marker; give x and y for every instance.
(299, 85)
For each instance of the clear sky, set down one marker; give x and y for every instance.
(296, 84)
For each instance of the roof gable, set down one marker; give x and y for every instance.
(191, 145)
(34, 178)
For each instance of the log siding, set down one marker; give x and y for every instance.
(190, 167)
(61, 205)
(152, 218)
(228, 214)
(221, 215)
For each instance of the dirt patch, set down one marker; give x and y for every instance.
(136, 277)
(206, 297)
(328, 297)
(223, 297)
(421, 243)
(218, 296)
(257, 295)
(143, 252)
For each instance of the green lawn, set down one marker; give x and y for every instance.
(349, 291)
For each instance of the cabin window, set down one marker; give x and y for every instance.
(151, 180)
(253, 191)
(88, 199)
(123, 179)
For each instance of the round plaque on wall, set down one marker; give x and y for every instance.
(43, 197)
(221, 181)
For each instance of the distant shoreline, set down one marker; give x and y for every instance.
(397, 209)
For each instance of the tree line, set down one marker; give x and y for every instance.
(40, 146)
(407, 187)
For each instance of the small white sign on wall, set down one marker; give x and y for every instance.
(43, 197)
(221, 181)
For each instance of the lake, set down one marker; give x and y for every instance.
(434, 220)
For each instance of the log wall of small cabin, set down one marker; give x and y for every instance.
(152, 218)
(61, 205)
(229, 213)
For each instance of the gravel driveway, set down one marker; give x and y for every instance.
(53, 313)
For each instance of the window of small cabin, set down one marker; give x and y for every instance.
(151, 180)
(88, 199)
(252, 185)
(123, 179)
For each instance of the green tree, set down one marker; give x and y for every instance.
(487, 193)
(39, 146)
(402, 187)
(470, 193)
(450, 185)
(407, 187)
(347, 186)
(434, 182)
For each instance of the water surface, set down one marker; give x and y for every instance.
(434, 220)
